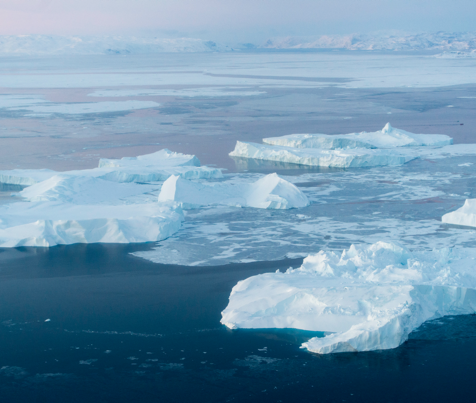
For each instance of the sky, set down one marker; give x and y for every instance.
(243, 20)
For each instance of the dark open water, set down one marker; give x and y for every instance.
(123, 329)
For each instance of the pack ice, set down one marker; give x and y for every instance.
(367, 297)
(109, 204)
(465, 215)
(388, 137)
(342, 151)
(269, 192)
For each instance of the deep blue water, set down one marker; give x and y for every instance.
(123, 329)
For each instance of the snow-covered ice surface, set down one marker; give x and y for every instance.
(270, 192)
(369, 297)
(388, 137)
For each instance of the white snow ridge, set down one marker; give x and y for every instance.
(270, 192)
(369, 297)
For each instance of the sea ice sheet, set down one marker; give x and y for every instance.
(368, 297)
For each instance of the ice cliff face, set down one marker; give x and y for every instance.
(369, 297)
(340, 158)
(270, 192)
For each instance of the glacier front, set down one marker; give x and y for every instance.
(367, 297)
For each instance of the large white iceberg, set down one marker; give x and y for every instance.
(367, 297)
(465, 215)
(57, 223)
(269, 192)
(358, 157)
(388, 137)
(153, 167)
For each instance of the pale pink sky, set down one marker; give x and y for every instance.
(235, 17)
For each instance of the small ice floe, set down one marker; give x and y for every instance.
(465, 215)
(367, 297)
(47, 320)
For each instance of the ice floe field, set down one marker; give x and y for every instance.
(242, 224)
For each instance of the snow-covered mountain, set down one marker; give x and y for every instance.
(59, 45)
(456, 44)
(443, 41)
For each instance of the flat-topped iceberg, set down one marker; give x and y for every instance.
(56, 223)
(388, 137)
(465, 215)
(367, 297)
(269, 192)
(25, 177)
(153, 167)
(358, 157)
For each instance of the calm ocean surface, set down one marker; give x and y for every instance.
(93, 323)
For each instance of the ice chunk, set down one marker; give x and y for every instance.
(163, 159)
(359, 157)
(465, 215)
(153, 167)
(388, 137)
(269, 192)
(57, 223)
(369, 297)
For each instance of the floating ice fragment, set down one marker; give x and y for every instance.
(465, 215)
(388, 137)
(348, 158)
(269, 192)
(369, 297)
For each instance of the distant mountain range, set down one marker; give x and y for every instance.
(454, 44)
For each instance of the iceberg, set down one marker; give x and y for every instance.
(25, 177)
(153, 167)
(269, 192)
(465, 215)
(357, 157)
(366, 298)
(105, 204)
(57, 223)
(388, 137)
